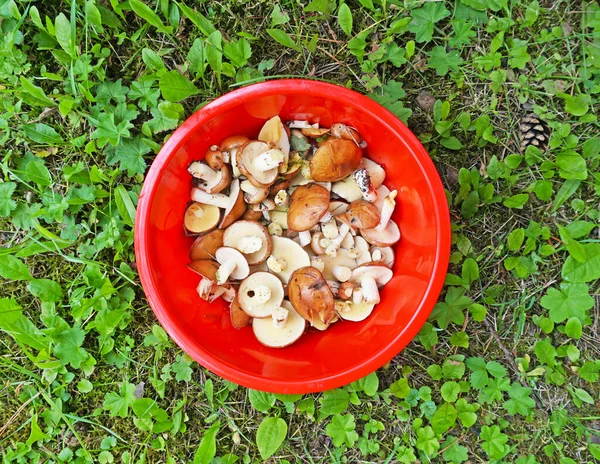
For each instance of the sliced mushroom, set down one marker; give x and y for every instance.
(272, 335)
(205, 246)
(348, 242)
(204, 288)
(345, 290)
(347, 189)
(311, 296)
(251, 238)
(274, 132)
(357, 311)
(343, 258)
(253, 160)
(239, 318)
(361, 251)
(200, 218)
(290, 254)
(363, 215)
(236, 206)
(375, 171)
(334, 160)
(308, 204)
(314, 132)
(253, 194)
(382, 193)
(384, 254)
(232, 264)
(260, 294)
(371, 276)
(207, 268)
(211, 181)
(342, 131)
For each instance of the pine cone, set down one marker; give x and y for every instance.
(534, 131)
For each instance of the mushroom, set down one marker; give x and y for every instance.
(386, 233)
(375, 171)
(369, 277)
(301, 124)
(362, 179)
(308, 204)
(363, 215)
(230, 145)
(200, 218)
(257, 161)
(281, 198)
(346, 189)
(315, 244)
(361, 251)
(311, 296)
(204, 288)
(211, 181)
(253, 194)
(273, 131)
(215, 158)
(233, 204)
(382, 193)
(232, 264)
(386, 211)
(205, 246)
(348, 242)
(207, 268)
(280, 217)
(337, 207)
(341, 273)
(334, 160)
(334, 244)
(260, 294)
(345, 290)
(342, 131)
(251, 215)
(239, 318)
(304, 238)
(314, 132)
(290, 255)
(330, 230)
(343, 258)
(357, 312)
(251, 238)
(280, 334)
(384, 254)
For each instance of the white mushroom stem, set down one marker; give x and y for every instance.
(341, 273)
(249, 244)
(204, 172)
(225, 271)
(229, 294)
(263, 294)
(276, 264)
(301, 125)
(330, 230)
(376, 255)
(216, 199)
(280, 316)
(326, 218)
(387, 210)
(362, 179)
(334, 287)
(357, 296)
(333, 247)
(204, 287)
(281, 198)
(304, 238)
(369, 289)
(318, 263)
(269, 160)
(269, 204)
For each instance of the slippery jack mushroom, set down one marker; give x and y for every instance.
(232, 264)
(253, 194)
(210, 181)
(367, 189)
(230, 146)
(233, 204)
(370, 277)
(308, 204)
(286, 257)
(282, 332)
(205, 246)
(311, 296)
(354, 312)
(200, 218)
(215, 158)
(239, 318)
(386, 233)
(342, 131)
(251, 238)
(260, 294)
(363, 215)
(334, 160)
(384, 254)
(259, 162)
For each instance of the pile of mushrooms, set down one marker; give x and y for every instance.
(293, 227)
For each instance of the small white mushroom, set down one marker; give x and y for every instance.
(342, 273)
(216, 199)
(375, 171)
(385, 254)
(348, 242)
(361, 251)
(327, 218)
(387, 210)
(318, 264)
(369, 277)
(280, 217)
(232, 264)
(342, 307)
(249, 237)
(330, 230)
(357, 311)
(342, 258)
(332, 248)
(276, 265)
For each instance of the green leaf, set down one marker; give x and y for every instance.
(590, 371)
(182, 368)
(261, 401)
(199, 20)
(62, 29)
(425, 18)
(582, 395)
(118, 403)
(452, 143)
(34, 95)
(36, 434)
(442, 61)
(580, 272)
(453, 367)
(176, 87)
(42, 133)
(68, 347)
(451, 310)
(13, 322)
(12, 268)
(144, 12)
(520, 401)
(573, 328)
(333, 402)
(460, 339)
(46, 290)
(444, 418)
(571, 165)
(580, 229)
(7, 204)
(238, 52)
(125, 205)
(494, 441)
(270, 435)
(450, 391)
(427, 441)
(470, 271)
(466, 412)
(342, 430)
(515, 239)
(454, 452)
(470, 205)
(130, 155)
(566, 191)
(207, 449)
(284, 39)
(214, 54)
(37, 172)
(152, 59)
(368, 384)
(278, 17)
(516, 201)
(400, 388)
(197, 57)
(107, 131)
(545, 352)
(345, 19)
(577, 105)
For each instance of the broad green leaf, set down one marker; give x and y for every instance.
(333, 402)
(565, 192)
(176, 87)
(152, 59)
(470, 271)
(444, 418)
(452, 143)
(278, 17)
(587, 271)
(400, 388)
(284, 39)
(261, 401)
(197, 57)
(577, 105)
(36, 434)
(582, 395)
(36, 171)
(342, 430)
(62, 29)
(34, 95)
(118, 403)
(270, 435)
(214, 53)
(427, 441)
(199, 20)
(494, 441)
(7, 204)
(450, 391)
(13, 268)
(345, 19)
(368, 384)
(208, 445)
(516, 201)
(520, 401)
(454, 452)
(515, 239)
(466, 412)
(130, 155)
(238, 52)
(571, 165)
(125, 205)
(573, 328)
(144, 12)
(42, 133)
(69, 347)
(443, 61)
(425, 18)
(46, 290)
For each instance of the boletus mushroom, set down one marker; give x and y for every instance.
(386, 233)
(260, 294)
(230, 146)
(207, 268)
(363, 214)
(279, 333)
(355, 312)
(200, 218)
(311, 296)
(205, 246)
(251, 238)
(308, 204)
(370, 277)
(342, 131)
(209, 180)
(334, 160)
(274, 132)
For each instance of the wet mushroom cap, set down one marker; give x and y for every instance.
(236, 206)
(199, 218)
(363, 214)
(207, 268)
(205, 246)
(233, 142)
(375, 269)
(334, 160)
(308, 204)
(279, 337)
(228, 254)
(310, 295)
(386, 237)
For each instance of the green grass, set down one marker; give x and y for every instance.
(507, 368)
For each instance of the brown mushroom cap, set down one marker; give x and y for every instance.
(313, 132)
(311, 296)
(245, 156)
(363, 214)
(232, 142)
(207, 268)
(224, 182)
(239, 319)
(205, 246)
(308, 204)
(240, 229)
(251, 215)
(342, 131)
(214, 158)
(237, 206)
(200, 218)
(334, 160)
